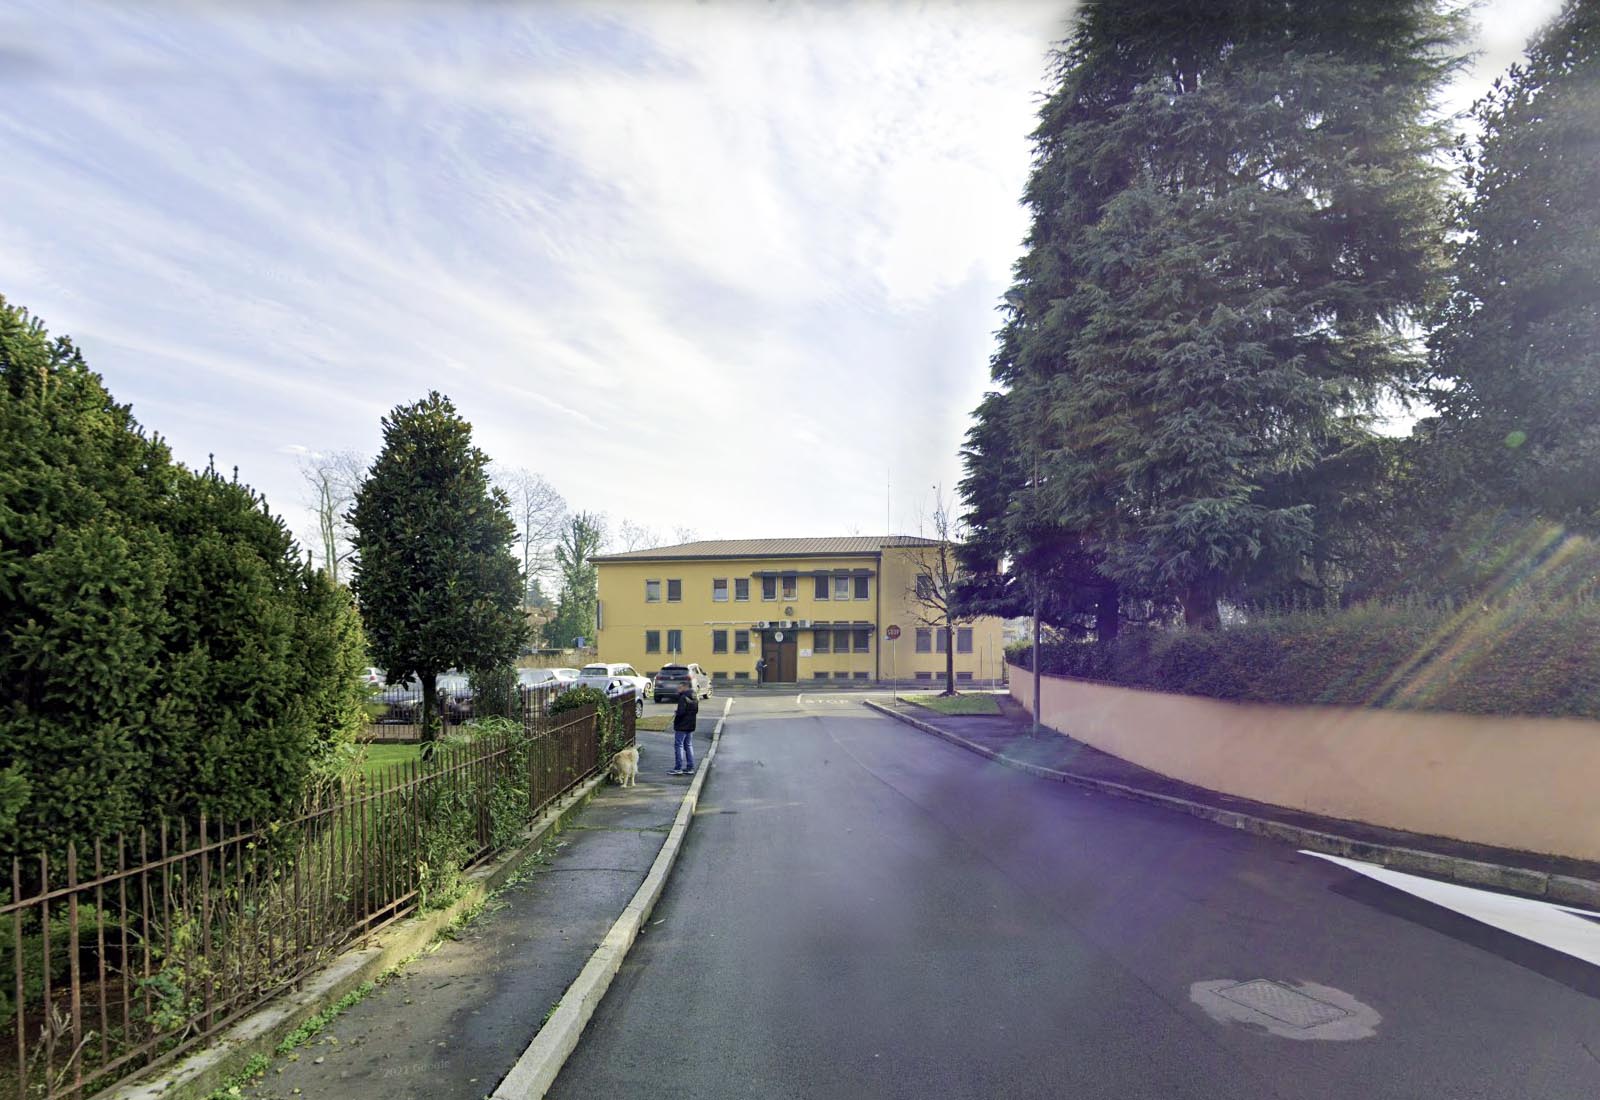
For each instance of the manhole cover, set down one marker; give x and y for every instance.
(1282, 1003)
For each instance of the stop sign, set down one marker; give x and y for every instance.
(892, 633)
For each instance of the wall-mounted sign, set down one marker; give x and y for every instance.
(805, 653)
(777, 635)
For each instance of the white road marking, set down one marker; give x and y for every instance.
(1558, 927)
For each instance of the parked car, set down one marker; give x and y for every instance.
(670, 680)
(563, 678)
(615, 680)
(402, 703)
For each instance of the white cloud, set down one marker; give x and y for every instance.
(752, 245)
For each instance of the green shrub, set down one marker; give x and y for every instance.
(609, 728)
(1522, 658)
(165, 650)
(494, 692)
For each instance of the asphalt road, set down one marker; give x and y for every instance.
(864, 911)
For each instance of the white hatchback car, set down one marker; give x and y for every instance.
(615, 680)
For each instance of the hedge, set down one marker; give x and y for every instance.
(1528, 659)
(165, 651)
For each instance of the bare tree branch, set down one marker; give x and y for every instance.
(333, 478)
(931, 595)
(540, 513)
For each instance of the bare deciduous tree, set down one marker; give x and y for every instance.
(540, 513)
(333, 477)
(636, 536)
(932, 592)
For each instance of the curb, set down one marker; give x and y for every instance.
(258, 1034)
(1539, 884)
(536, 1070)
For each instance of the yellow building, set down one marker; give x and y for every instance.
(812, 609)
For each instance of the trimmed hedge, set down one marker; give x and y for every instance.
(1535, 660)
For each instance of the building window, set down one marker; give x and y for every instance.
(674, 591)
(819, 675)
(600, 614)
(841, 676)
(719, 590)
(861, 588)
(652, 591)
(719, 675)
(652, 641)
(674, 641)
(741, 588)
(741, 641)
(941, 640)
(791, 585)
(841, 641)
(719, 641)
(924, 675)
(863, 636)
(741, 676)
(819, 640)
(841, 588)
(924, 640)
(860, 676)
(963, 639)
(822, 588)
(963, 677)
(769, 588)
(924, 586)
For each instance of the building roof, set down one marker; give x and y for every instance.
(854, 545)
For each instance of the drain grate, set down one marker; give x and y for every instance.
(1283, 1004)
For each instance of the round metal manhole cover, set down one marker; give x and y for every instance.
(1302, 1010)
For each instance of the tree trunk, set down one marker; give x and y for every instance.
(430, 707)
(1107, 615)
(949, 660)
(1200, 611)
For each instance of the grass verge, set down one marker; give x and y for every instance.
(957, 704)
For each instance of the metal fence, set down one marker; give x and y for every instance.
(128, 954)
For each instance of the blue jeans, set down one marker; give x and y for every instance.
(683, 751)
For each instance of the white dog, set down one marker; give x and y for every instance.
(625, 766)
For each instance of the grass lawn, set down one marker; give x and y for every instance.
(658, 722)
(957, 704)
(387, 756)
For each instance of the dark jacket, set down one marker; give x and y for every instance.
(688, 712)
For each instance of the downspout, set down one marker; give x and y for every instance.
(877, 620)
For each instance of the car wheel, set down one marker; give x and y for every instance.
(639, 707)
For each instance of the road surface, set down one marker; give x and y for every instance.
(862, 910)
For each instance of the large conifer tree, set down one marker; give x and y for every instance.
(1236, 213)
(1519, 350)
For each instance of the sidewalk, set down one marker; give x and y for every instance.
(1008, 737)
(454, 1021)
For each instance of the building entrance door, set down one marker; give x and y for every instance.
(782, 657)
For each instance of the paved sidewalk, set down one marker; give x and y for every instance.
(453, 1022)
(1010, 734)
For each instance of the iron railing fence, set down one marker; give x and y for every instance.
(127, 953)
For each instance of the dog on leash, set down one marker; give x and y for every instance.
(625, 767)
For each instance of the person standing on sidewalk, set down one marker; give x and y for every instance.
(683, 723)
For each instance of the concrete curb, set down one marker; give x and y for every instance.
(259, 1033)
(1558, 888)
(536, 1070)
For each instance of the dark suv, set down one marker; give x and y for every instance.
(670, 680)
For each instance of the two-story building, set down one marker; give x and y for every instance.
(812, 609)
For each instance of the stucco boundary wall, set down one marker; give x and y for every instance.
(1531, 784)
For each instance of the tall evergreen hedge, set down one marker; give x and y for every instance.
(1509, 658)
(164, 651)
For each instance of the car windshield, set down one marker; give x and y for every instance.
(594, 671)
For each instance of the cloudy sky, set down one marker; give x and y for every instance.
(724, 266)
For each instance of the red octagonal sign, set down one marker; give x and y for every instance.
(892, 633)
